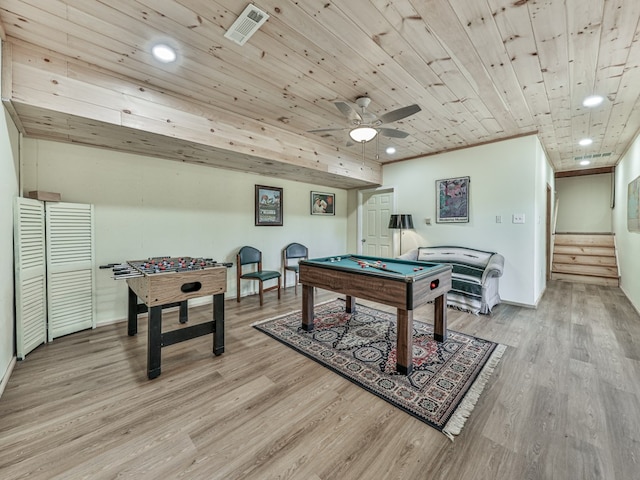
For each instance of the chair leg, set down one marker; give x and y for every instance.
(284, 275)
(278, 288)
(261, 292)
(296, 280)
(238, 289)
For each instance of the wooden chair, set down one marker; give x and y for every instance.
(252, 256)
(293, 251)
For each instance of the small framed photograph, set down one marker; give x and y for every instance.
(268, 206)
(323, 203)
(452, 200)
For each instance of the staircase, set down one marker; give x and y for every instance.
(585, 258)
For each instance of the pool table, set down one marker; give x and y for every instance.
(402, 284)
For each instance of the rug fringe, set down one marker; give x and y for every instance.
(459, 417)
(259, 322)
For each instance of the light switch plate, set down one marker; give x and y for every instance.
(518, 218)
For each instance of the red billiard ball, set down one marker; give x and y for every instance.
(384, 265)
(415, 269)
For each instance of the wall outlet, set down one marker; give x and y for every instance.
(518, 218)
(427, 221)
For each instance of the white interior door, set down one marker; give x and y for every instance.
(30, 275)
(70, 268)
(375, 237)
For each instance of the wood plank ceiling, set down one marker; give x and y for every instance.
(481, 70)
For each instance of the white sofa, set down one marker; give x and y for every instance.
(475, 276)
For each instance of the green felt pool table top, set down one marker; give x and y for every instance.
(390, 267)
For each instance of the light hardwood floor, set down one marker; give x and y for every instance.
(564, 403)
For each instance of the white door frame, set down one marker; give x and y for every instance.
(361, 194)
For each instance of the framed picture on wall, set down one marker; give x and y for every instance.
(268, 206)
(452, 200)
(323, 203)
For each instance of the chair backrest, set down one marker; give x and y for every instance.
(248, 255)
(296, 250)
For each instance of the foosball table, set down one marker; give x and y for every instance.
(164, 282)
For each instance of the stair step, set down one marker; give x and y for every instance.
(587, 240)
(591, 270)
(604, 281)
(582, 250)
(609, 261)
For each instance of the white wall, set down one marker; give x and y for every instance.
(506, 178)
(628, 243)
(544, 179)
(150, 207)
(9, 152)
(584, 204)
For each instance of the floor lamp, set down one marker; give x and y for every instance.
(401, 222)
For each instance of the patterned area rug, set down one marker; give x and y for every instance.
(447, 378)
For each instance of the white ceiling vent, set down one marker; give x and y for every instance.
(592, 156)
(249, 21)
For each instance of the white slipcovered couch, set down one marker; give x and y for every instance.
(474, 279)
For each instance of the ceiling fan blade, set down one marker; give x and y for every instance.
(326, 130)
(349, 112)
(399, 114)
(392, 133)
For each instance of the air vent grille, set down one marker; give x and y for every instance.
(593, 155)
(249, 21)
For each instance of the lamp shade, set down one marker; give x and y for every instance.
(401, 221)
(363, 134)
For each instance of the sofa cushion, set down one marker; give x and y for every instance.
(468, 268)
(466, 262)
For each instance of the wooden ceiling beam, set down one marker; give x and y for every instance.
(45, 83)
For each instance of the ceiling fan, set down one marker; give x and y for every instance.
(365, 126)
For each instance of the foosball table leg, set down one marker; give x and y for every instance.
(184, 311)
(154, 342)
(218, 324)
(132, 315)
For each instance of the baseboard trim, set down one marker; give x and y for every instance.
(524, 305)
(626, 294)
(7, 375)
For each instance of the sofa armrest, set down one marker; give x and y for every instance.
(494, 268)
(411, 255)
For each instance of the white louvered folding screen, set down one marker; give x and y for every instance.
(70, 268)
(30, 275)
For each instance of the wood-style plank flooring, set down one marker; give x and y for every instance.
(564, 403)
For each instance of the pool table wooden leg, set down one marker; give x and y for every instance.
(440, 318)
(404, 347)
(307, 308)
(350, 306)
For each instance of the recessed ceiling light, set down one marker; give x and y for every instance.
(592, 101)
(585, 142)
(164, 53)
(585, 162)
(390, 150)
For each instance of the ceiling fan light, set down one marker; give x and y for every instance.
(363, 134)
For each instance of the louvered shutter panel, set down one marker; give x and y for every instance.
(30, 275)
(70, 268)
